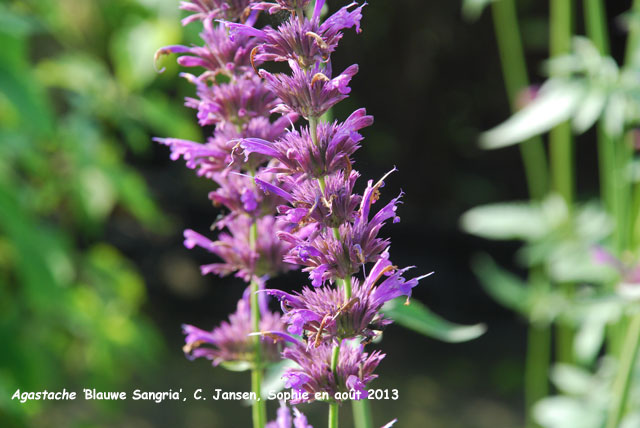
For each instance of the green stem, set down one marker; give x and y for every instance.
(537, 368)
(625, 373)
(259, 410)
(560, 142)
(362, 413)
(595, 17)
(561, 151)
(313, 129)
(333, 406)
(346, 282)
(514, 71)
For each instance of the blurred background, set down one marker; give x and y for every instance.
(94, 280)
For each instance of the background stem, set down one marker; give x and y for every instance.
(625, 373)
(561, 153)
(514, 71)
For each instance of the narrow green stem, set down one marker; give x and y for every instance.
(537, 368)
(333, 406)
(595, 20)
(514, 71)
(313, 129)
(346, 282)
(625, 373)
(259, 410)
(561, 152)
(560, 141)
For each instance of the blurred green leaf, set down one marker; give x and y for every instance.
(513, 220)
(506, 288)
(419, 318)
(556, 102)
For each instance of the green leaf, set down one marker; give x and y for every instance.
(236, 366)
(589, 110)
(418, 317)
(556, 103)
(515, 220)
(506, 288)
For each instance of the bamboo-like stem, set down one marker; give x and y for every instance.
(561, 152)
(533, 154)
(625, 373)
(537, 368)
(514, 71)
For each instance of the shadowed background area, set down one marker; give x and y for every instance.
(94, 280)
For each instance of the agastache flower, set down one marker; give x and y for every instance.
(234, 248)
(327, 256)
(239, 194)
(331, 207)
(303, 41)
(354, 370)
(298, 153)
(309, 92)
(236, 102)
(326, 315)
(219, 54)
(284, 418)
(231, 341)
(219, 153)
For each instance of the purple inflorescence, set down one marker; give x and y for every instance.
(289, 192)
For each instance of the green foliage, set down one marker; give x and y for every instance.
(70, 301)
(588, 86)
(585, 398)
(419, 318)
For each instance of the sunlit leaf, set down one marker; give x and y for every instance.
(418, 317)
(555, 103)
(514, 220)
(589, 110)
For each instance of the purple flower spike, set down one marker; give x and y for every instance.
(230, 342)
(354, 371)
(309, 93)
